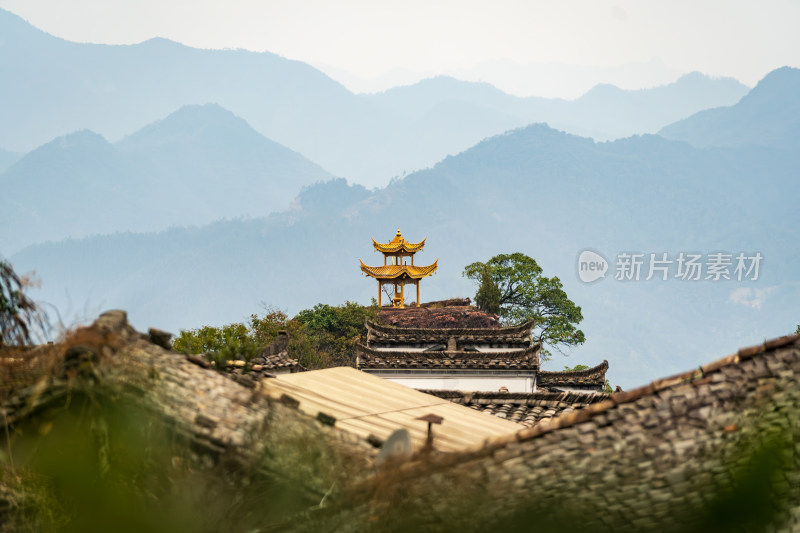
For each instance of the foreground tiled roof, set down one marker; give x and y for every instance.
(528, 409)
(372, 407)
(708, 449)
(590, 378)
(527, 359)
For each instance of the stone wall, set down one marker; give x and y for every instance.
(713, 449)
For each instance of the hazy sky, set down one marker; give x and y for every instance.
(526, 47)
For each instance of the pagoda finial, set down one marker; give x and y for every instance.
(398, 232)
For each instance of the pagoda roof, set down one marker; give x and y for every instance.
(399, 271)
(398, 244)
(526, 359)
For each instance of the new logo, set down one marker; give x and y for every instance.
(591, 266)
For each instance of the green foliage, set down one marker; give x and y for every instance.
(109, 465)
(526, 294)
(230, 342)
(333, 331)
(488, 296)
(320, 337)
(20, 317)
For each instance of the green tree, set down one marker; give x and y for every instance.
(220, 344)
(20, 318)
(333, 331)
(488, 296)
(576, 368)
(526, 294)
(320, 337)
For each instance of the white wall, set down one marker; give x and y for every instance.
(465, 383)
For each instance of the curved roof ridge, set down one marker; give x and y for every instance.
(396, 271)
(410, 247)
(565, 396)
(444, 354)
(519, 328)
(602, 368)
(399, 243)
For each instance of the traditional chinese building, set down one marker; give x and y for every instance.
(451, 346)
(485, 359)
(396, 269)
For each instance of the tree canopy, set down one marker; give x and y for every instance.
(320, 337)
(525, 294)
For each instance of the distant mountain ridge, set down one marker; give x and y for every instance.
(59, 87)
(535, 190)
(767, 115)
(605, 112)
(197, 165)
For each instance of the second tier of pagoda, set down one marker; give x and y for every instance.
(396, 269)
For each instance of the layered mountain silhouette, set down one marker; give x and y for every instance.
(724, 182)
(199, 164)
(536, 190)
(769, 115)
(606, 112)
(59, 87)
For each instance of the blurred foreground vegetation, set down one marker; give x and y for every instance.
(98, 464)
(94, 464)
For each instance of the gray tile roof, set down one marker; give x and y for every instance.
(591, 378)
(525, 408)
(516, 336)
(526, 359)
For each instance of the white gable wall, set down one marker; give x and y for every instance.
(472, 381)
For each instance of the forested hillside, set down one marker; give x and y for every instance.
(535, 190)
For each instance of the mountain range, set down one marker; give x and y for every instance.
(536, 190)
(197, 165)
(766, 116)
(59, 87)
(105, 160)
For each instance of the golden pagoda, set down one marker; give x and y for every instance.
(395, 270)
